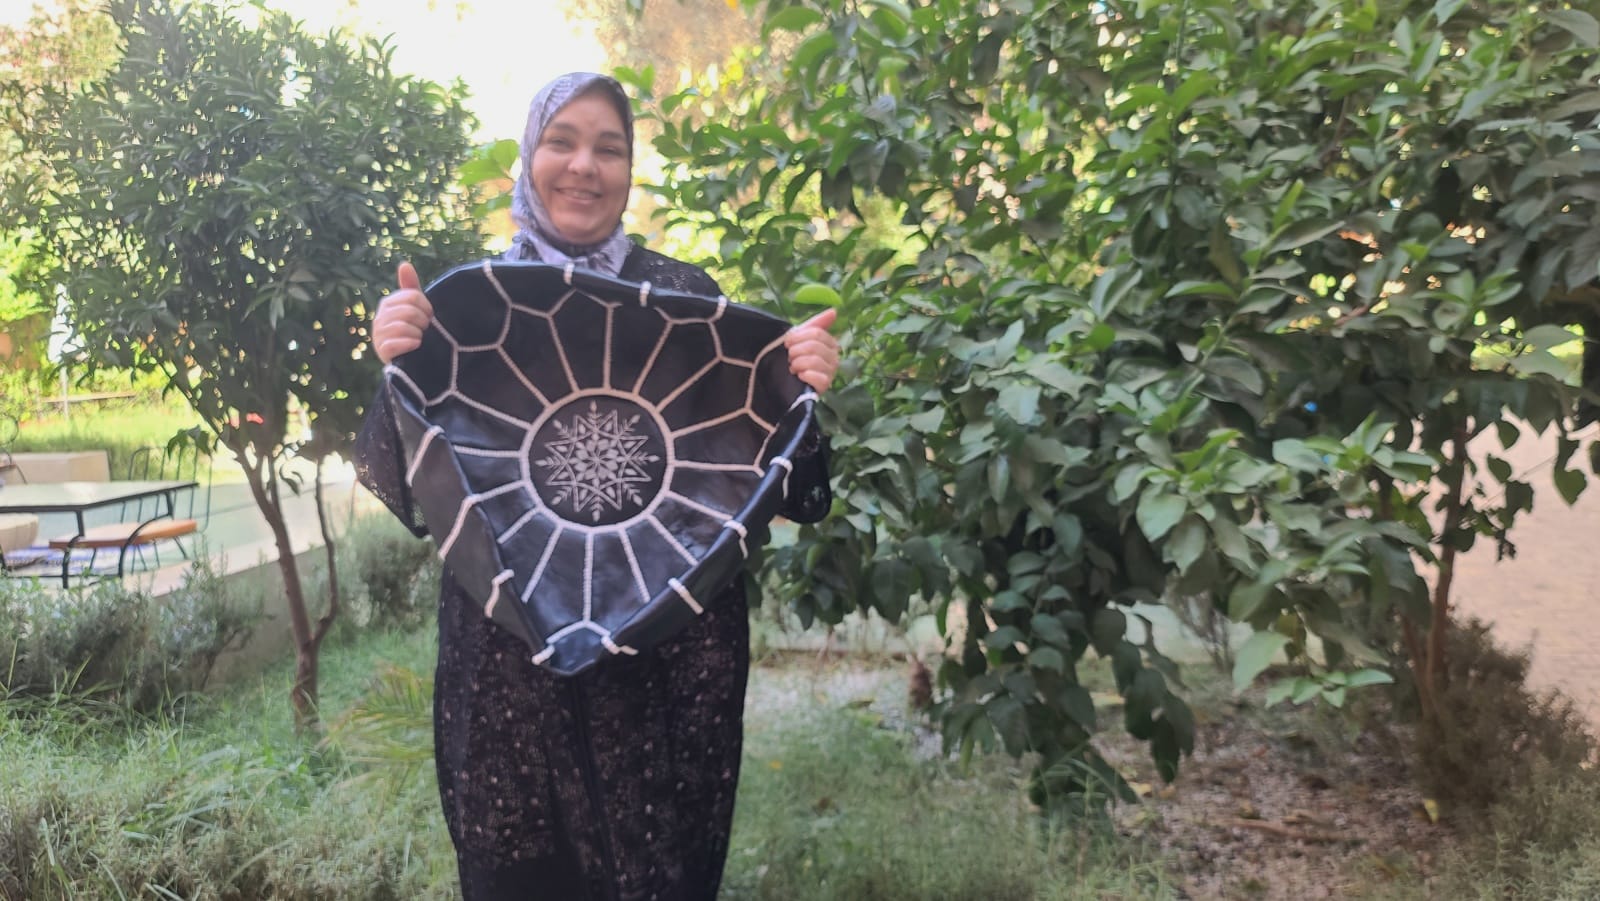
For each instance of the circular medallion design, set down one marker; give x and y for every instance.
(598, 460)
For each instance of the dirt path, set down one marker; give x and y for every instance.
(1549, 595)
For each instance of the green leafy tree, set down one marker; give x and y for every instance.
(59, 47)
(1200, 300)
(226, 206)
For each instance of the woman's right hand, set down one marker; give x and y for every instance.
(402, 318)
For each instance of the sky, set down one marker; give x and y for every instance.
(503, 49)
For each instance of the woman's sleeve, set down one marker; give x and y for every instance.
(380, 463)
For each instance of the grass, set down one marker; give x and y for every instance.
(841, 797)
(219, 798)
(118, 430)
(844, 794)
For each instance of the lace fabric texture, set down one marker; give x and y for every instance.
(614, 784)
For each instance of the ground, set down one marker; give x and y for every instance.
(1546, 596)
(1282, 804)
(1256, 813)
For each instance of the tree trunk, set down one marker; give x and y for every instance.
(1429, 663)
(331, 549)
(303, 694)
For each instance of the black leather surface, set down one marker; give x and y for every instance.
(594, 458)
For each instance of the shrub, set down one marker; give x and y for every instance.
(113, 643)
(388, 578)
(1495, 738)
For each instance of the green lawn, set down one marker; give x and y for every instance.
(842, 796)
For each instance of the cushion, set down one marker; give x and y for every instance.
(595, 459)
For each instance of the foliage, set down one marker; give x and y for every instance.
(63, 44)
(114, 644)
(1190, 311)
(678, 40)
(226, 206)
(16, 304)
(394, 576)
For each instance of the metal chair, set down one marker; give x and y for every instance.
(9, 470)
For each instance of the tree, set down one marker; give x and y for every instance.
(226, 206)
(57, 49)
(1188, 300)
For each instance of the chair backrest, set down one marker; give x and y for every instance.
(10, 428)
(181, 461)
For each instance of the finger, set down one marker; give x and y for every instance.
(812, 362)
(415, 315)
(823, 320)
(389, 348)
(408, 277)
(819, 381)
(817, 342)
(818, 323)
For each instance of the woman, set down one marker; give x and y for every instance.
(617, 783)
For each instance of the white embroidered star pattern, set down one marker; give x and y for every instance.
(597, 462)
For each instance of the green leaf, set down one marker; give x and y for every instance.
(1010, 722)
(1255, 655)
(1542, 362)
(1158, 512)
(1003, 638)
(1498, 468)
(1128, 481)
(1057, 376)
(1301, 234)
(1109, 628)
(1544, 337)
(1295, 454)
(1076, 702)
(1188, 542)
(1051, 451)
(1580, 24)
(1363, 677)
(1246, 600)
(1048, 628)
(1020, 402)
(1202, 289)
(792, 18)
(1046, 657)
(1570, 483)
(927, 422)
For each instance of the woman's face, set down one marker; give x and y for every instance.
(581, 169)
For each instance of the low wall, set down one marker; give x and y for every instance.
(63, 466)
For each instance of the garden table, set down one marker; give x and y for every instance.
(78, 498)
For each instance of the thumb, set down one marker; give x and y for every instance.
(408, 277)
(823, 320)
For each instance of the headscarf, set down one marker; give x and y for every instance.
(537, 237)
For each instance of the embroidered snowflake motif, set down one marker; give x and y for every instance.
(597, 462)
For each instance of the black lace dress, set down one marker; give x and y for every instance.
(614, 784)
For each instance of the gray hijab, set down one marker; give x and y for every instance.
(537, 238)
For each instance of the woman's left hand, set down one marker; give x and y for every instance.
(813, 353)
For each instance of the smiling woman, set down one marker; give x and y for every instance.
(582, 164)
(616, 781)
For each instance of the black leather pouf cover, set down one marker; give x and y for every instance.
(594, 458)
